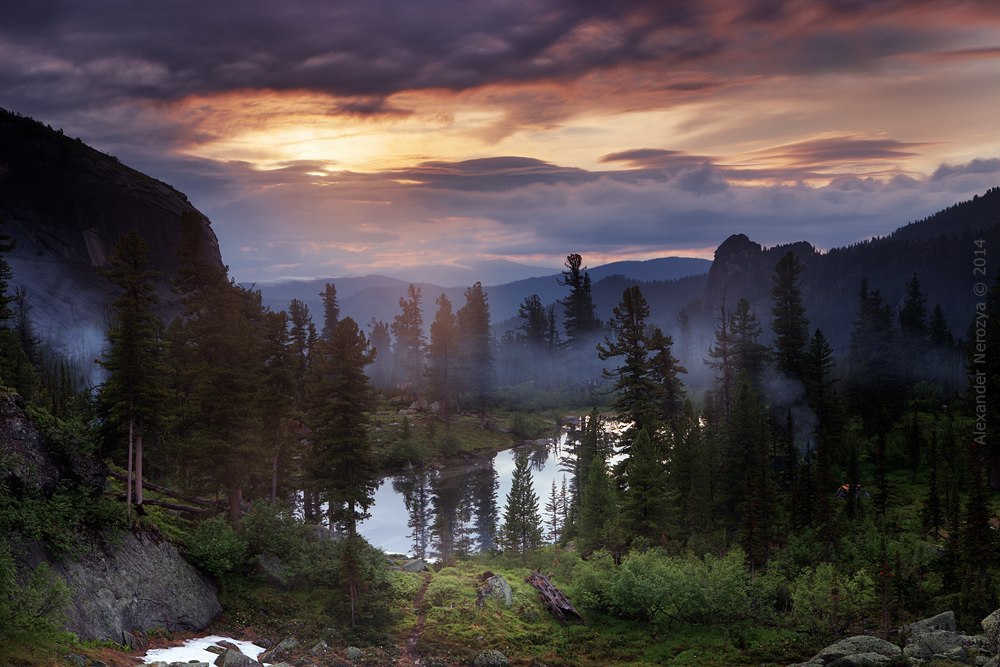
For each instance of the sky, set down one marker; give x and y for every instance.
(352, 137)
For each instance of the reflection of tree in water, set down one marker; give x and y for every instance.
(414, 486)
(538, 455)
(482, 483)
(447, 528)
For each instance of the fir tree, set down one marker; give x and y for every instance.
(476, 345)
(599, 524)
(645, 500)
(579, 321)
(722, 359)
(442, 356)
(748, 354)
(554, 513)
(664, 372)
(790, 326)
(408, 328)
(331, 310)
(134, 392)
(913, 314)
(533, 330)
(339, 405)
(632, 383)
(939, 333)
(521, 531)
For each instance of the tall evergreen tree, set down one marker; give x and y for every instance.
(521, 531)
(442, 356)
(913, 314)
(476, 345)
(299, 323)
(939, 333)
(599, 523)
(277, 395)
(749, 354)
(645, 502)
(790, 326)
(722, 359)
(533, 330)
(340, 401)
(632, 383)
(580, 322)
(6, 245)
(331, 310)
(408, 328)
(664, 372)
(381, 342)
(133, 393)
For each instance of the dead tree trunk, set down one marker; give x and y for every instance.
(556, 601)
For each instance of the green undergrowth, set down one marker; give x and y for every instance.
(456, 629)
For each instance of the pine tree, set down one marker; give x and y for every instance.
(331, 310)
(722, 359)
(340, 401)
(521, 531)
(749, 354)
(579, 321)
(533, 330)
(299, 324)
(790, 326)
(134, 392)
(632, 383)
(442, 356)
(6, 274)
(381, 342)
(276, 399)
(939, 333)
(599, 525)
(913, 314)
(932, 514)
(646, 502)
(749, 494)
(554, 513)
(476, 345)
(664, 372)
(408, 328)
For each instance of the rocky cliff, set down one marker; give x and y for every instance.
(66, 205)
(122, 583)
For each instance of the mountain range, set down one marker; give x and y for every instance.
(65, 204)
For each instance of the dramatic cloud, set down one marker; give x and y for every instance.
(351, 136)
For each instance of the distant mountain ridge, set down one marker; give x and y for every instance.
(377, 297)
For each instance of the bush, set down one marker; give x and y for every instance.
(653, 587)
(268, 529)
(32, 610)
(823, 599)
(216, 547)
(444, 591)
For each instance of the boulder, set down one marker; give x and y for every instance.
(863, 646)
(942, 644)
(282, 650)
(862, 660)
(496, 587)
(272, 570)
(127, 585)
(233, 658)
(943, 621)
(991, 630)
(320, 648)
(417, 565)
(353, 653)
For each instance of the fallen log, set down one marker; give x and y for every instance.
(166, 491)
(556, 601)
(196, 511)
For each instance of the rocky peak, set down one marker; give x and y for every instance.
(66, 205)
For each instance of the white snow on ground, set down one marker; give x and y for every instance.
(194, 649)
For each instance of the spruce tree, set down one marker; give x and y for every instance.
(476, 345)
(521, 531)
(340, 401)
(599, 522)
(533, 330)
(790, 326)
(133, 394)
(633, 386)
(277, 395)
(722, 359)
(749, 355)
(331, 310)
(668, 396)
(646, 502)
(913, 314)
(408, 328)
(579, 320)
(442, 356)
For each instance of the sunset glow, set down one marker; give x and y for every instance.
(361, 138)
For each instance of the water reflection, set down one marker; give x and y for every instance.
(454, 511)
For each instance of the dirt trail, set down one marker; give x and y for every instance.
(418, 627)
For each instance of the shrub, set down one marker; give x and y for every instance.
(823, 599)
(216, 547)
(444, 591)
(32, 610)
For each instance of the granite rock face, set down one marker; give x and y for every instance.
(127, 585)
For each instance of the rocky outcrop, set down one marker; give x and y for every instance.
(127, 585)
(932, 640)
(494, 587)
(31, 464)
(66, 205)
